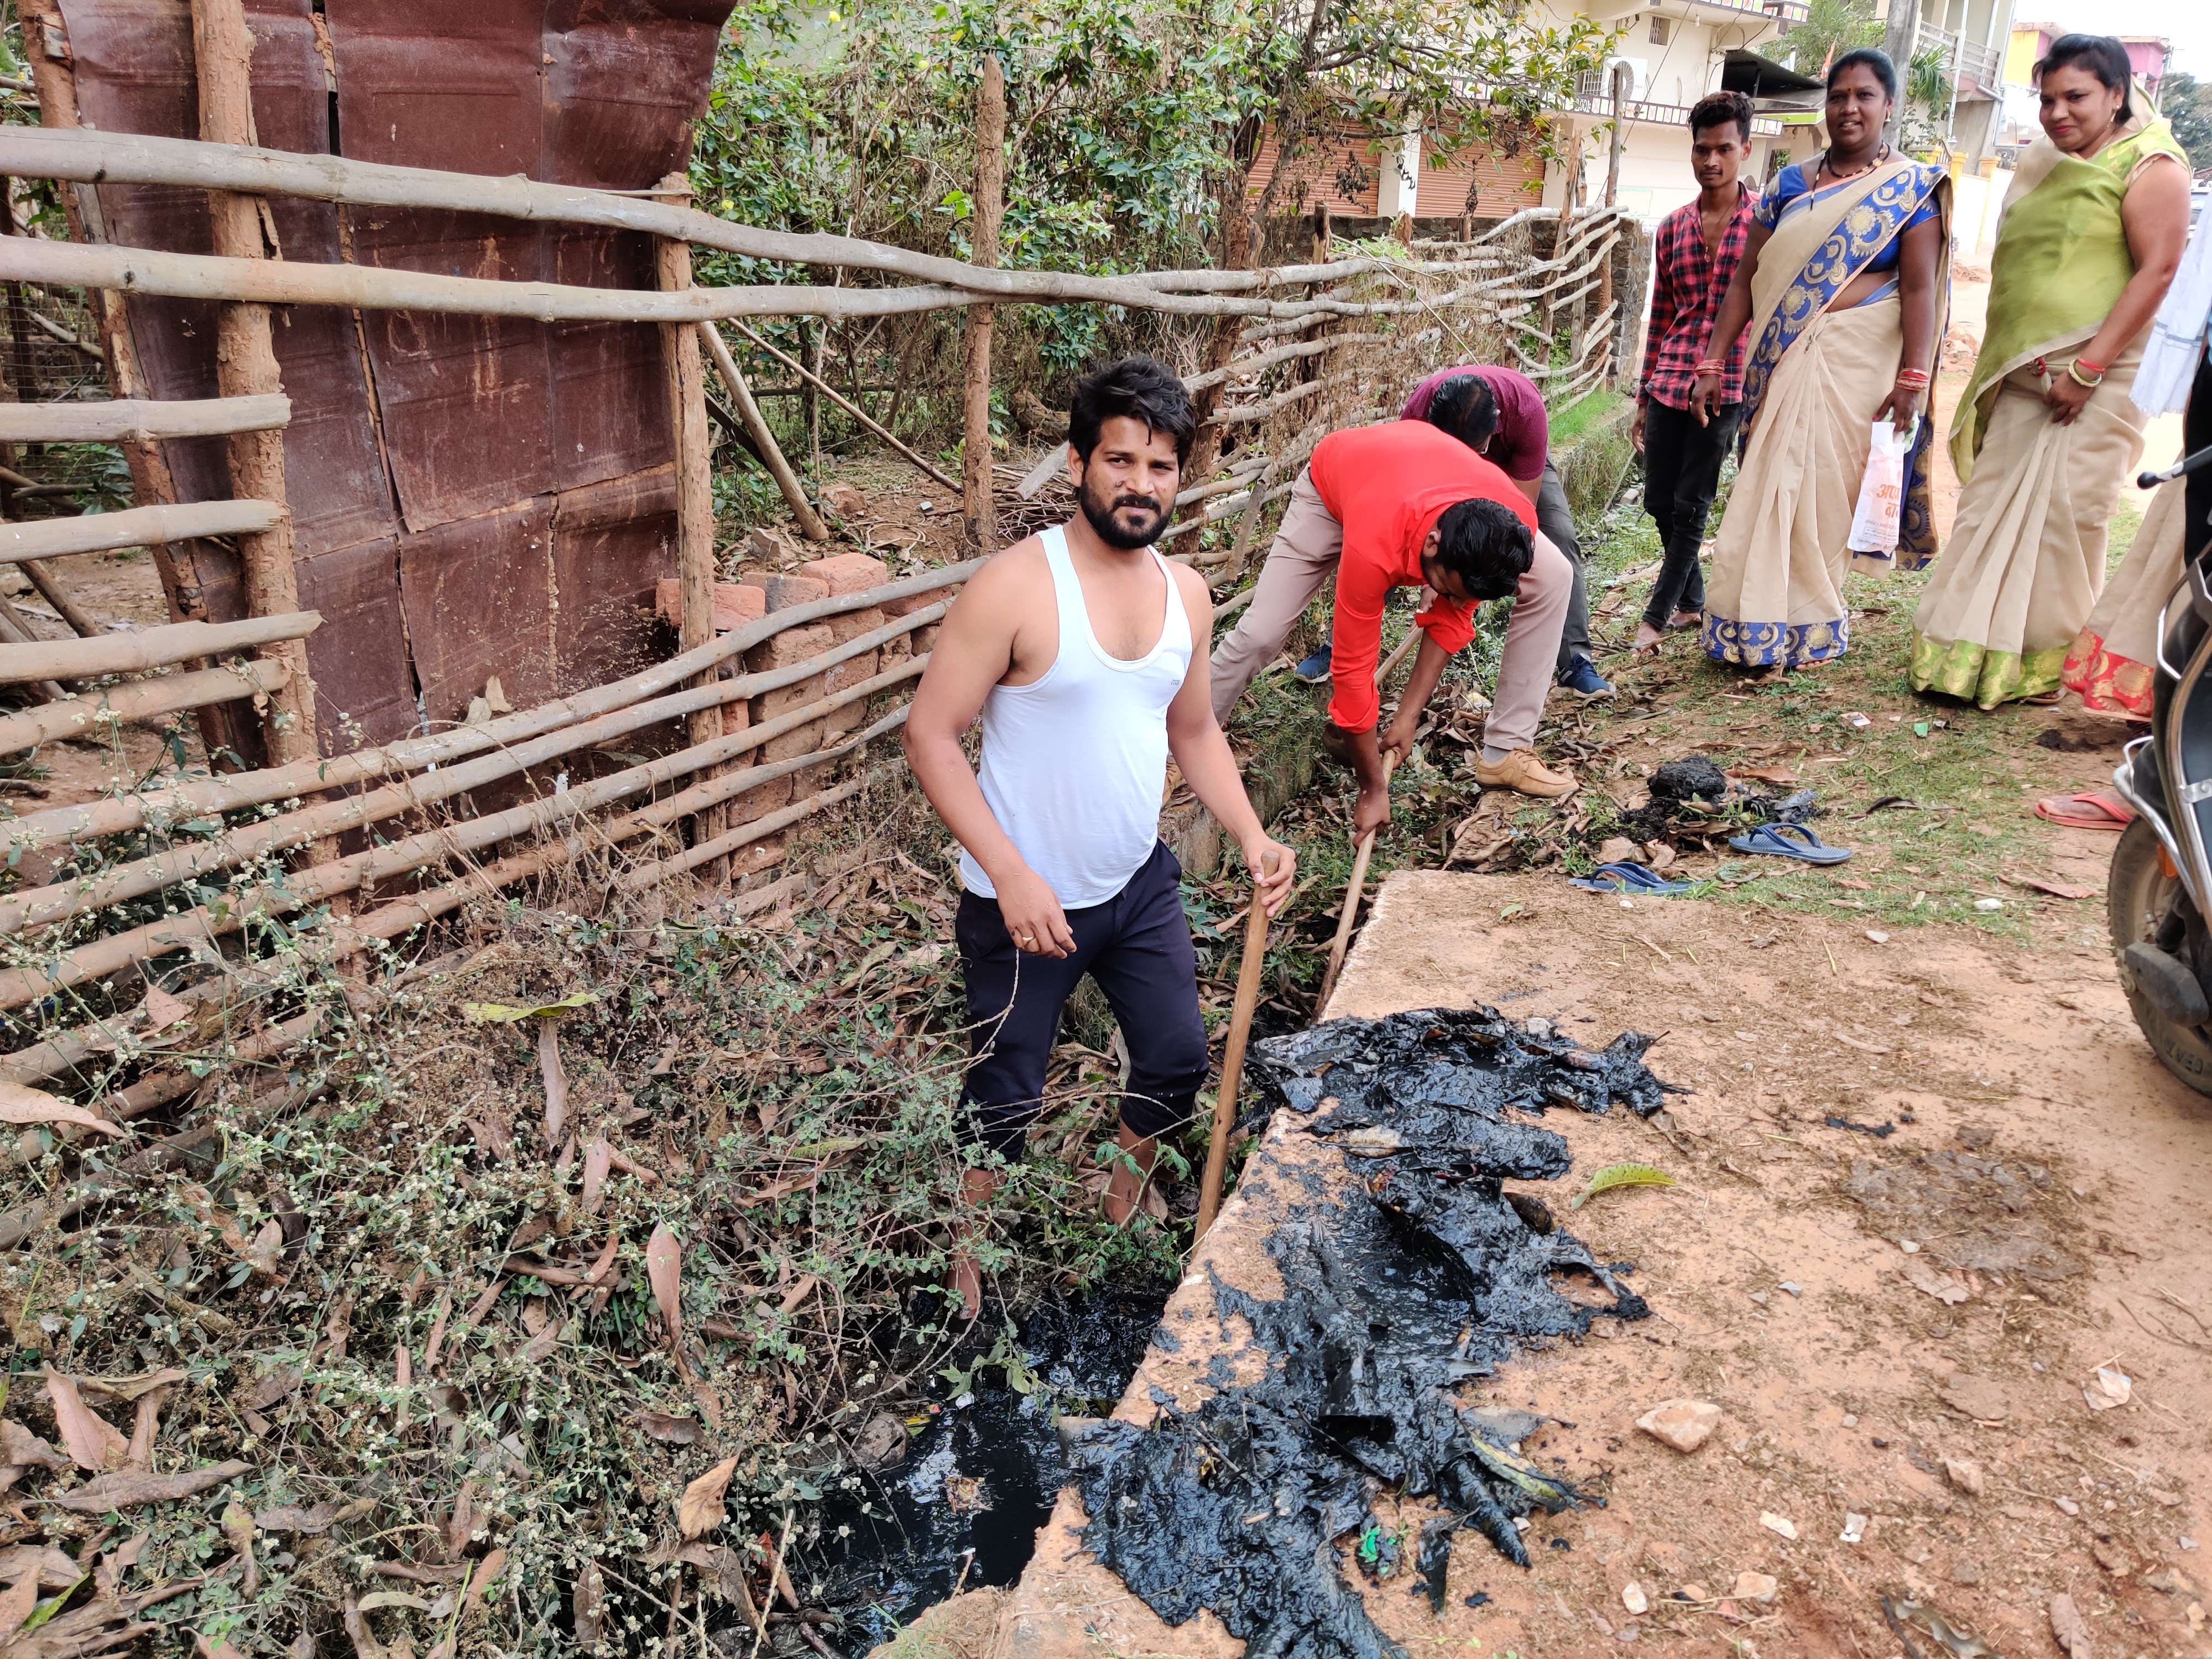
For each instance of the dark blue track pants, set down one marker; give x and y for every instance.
(1137, 945)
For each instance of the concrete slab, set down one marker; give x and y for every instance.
(1780, 1295)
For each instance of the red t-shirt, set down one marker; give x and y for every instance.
(1388, 485)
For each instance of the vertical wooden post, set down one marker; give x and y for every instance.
(1624, 82)
(694, 486)
(988, 206)
(245, 366)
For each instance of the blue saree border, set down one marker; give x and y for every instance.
(1768, 645)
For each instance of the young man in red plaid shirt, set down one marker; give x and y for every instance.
(1694, 255)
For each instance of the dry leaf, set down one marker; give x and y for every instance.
(1948, 1288)
(700, 1508)
(267, 1255)
(556, 1082)
(2065, 890)
(461, 1524)
(21, 1105)
(487, 1571)
(663, 1271)
(534, 1314)
(599, 1158)
(311, 1522)
(17, 1605)
(589, 1604)
(119, 1491)
(1766, 774)
(2070, 1629)
(161, 1010)
(677, 1430)
(91, 1440)
(238, 1533)
(20, 1448)
(145, 1426)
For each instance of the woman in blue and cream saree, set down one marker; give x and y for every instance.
(1845, 283)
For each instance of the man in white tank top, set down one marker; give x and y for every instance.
(1079, 649)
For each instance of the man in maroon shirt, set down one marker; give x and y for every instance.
(1694, 255)
(1405, 505)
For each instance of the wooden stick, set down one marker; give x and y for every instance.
(83, 625)
(139, 702)
(246, 366)
(749, 412)
(987, 205)
(89, 156)
(18, 636)
(1343, 939)
(214, 796)
(848, 405)
(37, 905)
(126, 419)
(149, 648)
(695, 477)
(137, 526)
(1233, 1057)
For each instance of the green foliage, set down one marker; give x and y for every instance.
(2187, 103)
(1831, 28)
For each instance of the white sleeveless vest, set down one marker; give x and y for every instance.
(1074, 763)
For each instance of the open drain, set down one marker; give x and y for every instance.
(1412, 1275)
(983, 1467)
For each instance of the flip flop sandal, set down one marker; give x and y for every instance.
(1789, 840)
(2092, 809)
(1629, 878)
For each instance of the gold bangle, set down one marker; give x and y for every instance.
(2074, 373)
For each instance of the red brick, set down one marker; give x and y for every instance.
(854, 623)
(790, 648)
(845, 675)
(897, 648)
(762, 854)
(907, 604)
(924, 640)
(784, 592)
(759, 800)
(804, 740)
(847, 573)
(735, 604)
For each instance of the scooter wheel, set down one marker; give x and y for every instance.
(2137, 897)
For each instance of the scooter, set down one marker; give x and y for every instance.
(2160, 891)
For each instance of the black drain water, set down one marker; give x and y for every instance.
(983, 1468)
(1413, 1277)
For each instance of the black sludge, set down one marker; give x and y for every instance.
(1416, 1275)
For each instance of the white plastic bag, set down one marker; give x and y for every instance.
(1881, 493)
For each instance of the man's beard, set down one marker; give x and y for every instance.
(1101, 516)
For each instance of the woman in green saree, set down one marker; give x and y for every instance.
(2093, 231)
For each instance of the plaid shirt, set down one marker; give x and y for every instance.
(1688, 286)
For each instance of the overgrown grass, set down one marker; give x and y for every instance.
(361, 1269)
(1584, 413)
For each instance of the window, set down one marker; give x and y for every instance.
(1658, 31)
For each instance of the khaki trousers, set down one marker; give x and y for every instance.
(1304, 556)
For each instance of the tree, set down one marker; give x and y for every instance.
(2187, 103)
(1831, 28)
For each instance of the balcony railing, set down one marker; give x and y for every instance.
(1969, 59)
(1592, 97)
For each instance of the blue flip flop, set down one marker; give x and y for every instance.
(1789, 840)
(1629, 878)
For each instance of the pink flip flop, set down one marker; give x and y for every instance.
(2092, 809)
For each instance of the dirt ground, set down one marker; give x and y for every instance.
(2032, 1127)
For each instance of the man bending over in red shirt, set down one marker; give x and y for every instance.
(1403, 505)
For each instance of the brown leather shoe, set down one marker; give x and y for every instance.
(1522, 772)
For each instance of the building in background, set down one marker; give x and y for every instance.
(2149, 56)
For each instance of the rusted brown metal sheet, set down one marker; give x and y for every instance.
(472, 497)
(446, 575)
(612, 542)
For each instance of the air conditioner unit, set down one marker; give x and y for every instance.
(1639, 71)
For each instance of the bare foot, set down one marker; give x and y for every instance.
(1648, 638)
(962, 1276)
(1130, 1173)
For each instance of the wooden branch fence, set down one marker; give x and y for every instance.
(766, 711)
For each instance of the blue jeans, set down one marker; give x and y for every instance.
(1137, 945)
